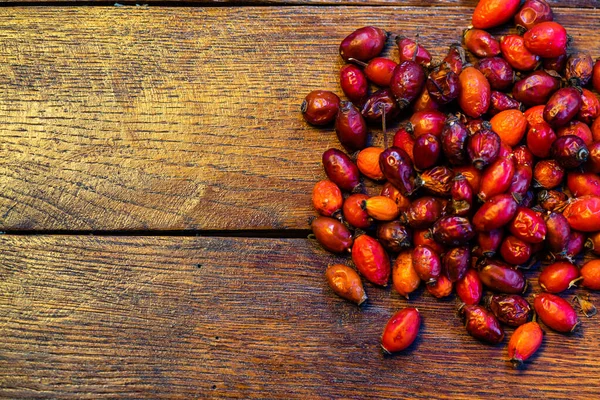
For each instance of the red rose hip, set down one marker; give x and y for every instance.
(401, 330)
(555, 312)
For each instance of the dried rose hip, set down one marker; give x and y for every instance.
(583, 183)
(346, 283)
(555, 312)
(388, 190)
(590, 107)
(498, 72)
(500, 277)
(469, 288)
(426, 151)
(557, 232)
(453, 230)
(548, 174)
(403, 139)
(551, 200)
(528, 226)
(367, 162)
(570, 151)
(495, 213)
(407, 82)
(394, 236)
(455, 262)
(327, 197)
(401, 330)
(453, 139)
(583, 213)
(379, 70)
(354, 83)
(491, 13)
(404, 276)
(489, 242)
(475, 92)
(411, 50)
(427, 122)
(481, 43)
(562, 106)
(379, 103)
(363, 44)
(443, 85)
(515, 251)
(481, 324)
(497, 178)
(397, 168)
(423, 212)
(546, 39)
(341, 170)
(320, 107)
(441, 288)
(483, 148)
(427, 263)
(354, 213)
(332, 234)
(591, 275)
(536, 88)
(351, 127)
(533, 12)
(371, 260)
(579, 69)
(510, 309)
(540, 137)
(558, 277)
(381, 208)
(518, 56)
(437, 180)
(524, 342)
(462, 196)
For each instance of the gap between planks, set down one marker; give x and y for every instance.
(241, 233)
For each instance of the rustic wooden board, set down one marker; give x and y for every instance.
(117, 118)
(178, 317)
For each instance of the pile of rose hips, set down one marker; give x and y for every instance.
(495, 170)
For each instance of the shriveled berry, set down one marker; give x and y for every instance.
(441, 288)
(407, 82)
(354, 83)
(481, 43)
(340, 169)
(379, 71)
(583, 183)
(533, 12)
(497, 71)
(427, 122)
(398, 169)
(548, 173)
(515, 251)
(381, 208)
(489, 242)
(403, 139)
(351, 127)
(332, 234)
(555, 312)
(496, 178)
(427, 263)
(536, 88)
(510, 309)
(327, 197)
(540, 137)
(423, 212)
(453, 139)
(551, 200)
(388, 190)
(528, 226)
(535, 114)
(409, 49)
(346, 283)
(453, 230)
(518, 56)
(483, 148)
(354, 213)
(523, 157)
(363, 44)
(437, 180)
(562, 106)
(469, 288)
(482, 324)
(590, 107)
(379, 103)
(394, 236)
(371, 260)
(524, 342)
(320, 107)
(401, 330)
(593, 162)
(521, 182)
(426, 151)
(500, 277)
(443, 85)
(455, 262)
(495, 213)
(558, 232)
(558, 277)
(501, 102)
(579, 68)
(583, 213)
(462, 196)
(404, 276)
(569, 151)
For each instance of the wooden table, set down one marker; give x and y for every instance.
(155, 179)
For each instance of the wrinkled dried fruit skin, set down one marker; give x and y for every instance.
(501, 278)
(557, 232)
(469, 288)
(404, 140)
(320, 107)
(453, 140)
(346, 283)
(495, 213)
(371, 260)
(380, 101)
(475, 92)
(483, 148)
(367, 162)
(593, 162)
(489, 242)
(518, 56)
(332, 234)
(533, 12)
(443, 85)
(524, 342)
(515, 251)
(401, 330)
(496, 178)
(481, 43)
(535, 114)
(407, 82)
(351, 127)
(456, 262)
(548, 173)
(379, 71)
(546, 39)
(501, 102)
(510, 309)
(397, 168)
(472, 174)
(482, 325)
(536, 88)
(521, 181)
(528, 226)
(340, 169)
(590, 107)
(404, 276)
(578, 129)
(558, 277)
(424, 102)
(491, 13)
(453, 230)
(462, 196)
(582, 184)
(455, 59)
(424, 122)
(427, 263)
(426, 151)
(423, 212)
(498, 72)
(381, 208)
(540, 137)
(407, 49)
(583, 213)
(437, 180)
(441, 288)
(591, 275)
(394, 236)
(363, 44)
(388, 190)
(569, 151)
(326, 197)
(555, 312)
(579, 68)
(354, 213)
(551, 200)
(424, 237)
(354, 83)
(562, 106)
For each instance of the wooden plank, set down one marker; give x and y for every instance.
(179, 317)
(180, 118)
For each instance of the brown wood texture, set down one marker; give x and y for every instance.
(158, 317)
(133, 118)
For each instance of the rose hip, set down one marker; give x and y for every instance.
(557, 64)
(379, 103)
(472, 174)
(583, 213)
(524, 342)
(401, 330)
(381, 208)
(423, 212)
(590, 107)
(475, 91)
(536, 88)
(579, 68)
(576, 128)
(346, 283)
(528, 225)
(533, 12)
(593, 162)
(363, 44)
(441, 288)
(516, 54)
(455, 262)
(404, 140)
(497, 71)
(404, 276)
(443, 85)
(496, 178)
(340, 169)
(481, 43)
(546, 39)
(548, 174)
(320, 107)
(535, 114)
(551, 200)
(424, 237)
(407, 82)
(491, 13)
(469, 288)
(462, 196)
(540, 137)
(350, 127)
(353, 212)
(427, 263)
(332, 234)
(424, 102)
(426, 151)
(437, 180)
(483, 148)
(410, 50)
(453, 139)
(583, 183)
(596, 76)
(569, 151)
(495, 213)
(427, 122)
(500, 277)
(501, 102)
(489, 242)
(394, 236)
(555, 312)
(327, 197)
(558, 277)
(453, 230)
(481, 324)
(562, 106)
(367, 162)
(510, 309)
(521, 182)
(388, 190)
(371, 260)
(557, 232)
(515, 251)
(575, 246)
(398, 169)
(379, 70)
(591, 275)
(354, 83)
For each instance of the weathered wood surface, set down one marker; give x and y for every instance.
(133, 118)
(158, 317)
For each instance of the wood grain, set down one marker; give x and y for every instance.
(163, 317)
(126, 118)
